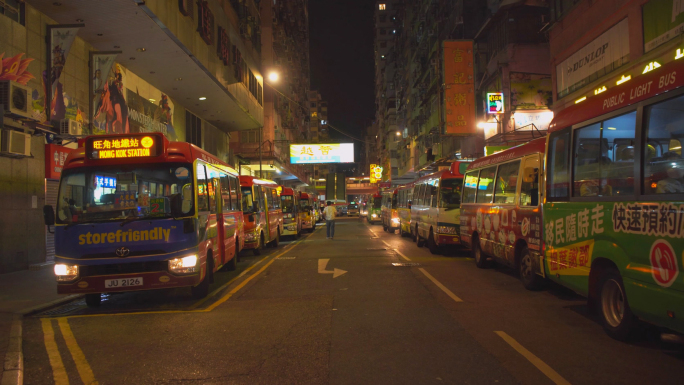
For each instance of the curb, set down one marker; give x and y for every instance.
(13, 366)
(13, 373)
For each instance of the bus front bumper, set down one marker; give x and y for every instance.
(148, 280)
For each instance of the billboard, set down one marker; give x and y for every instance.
(322, 153)
(459, 82)
(495, 103)
(375, 173)
(663, 20)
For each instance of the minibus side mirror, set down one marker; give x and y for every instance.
(409, 204)
(49, 216)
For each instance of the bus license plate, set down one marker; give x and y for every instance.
(123, 282)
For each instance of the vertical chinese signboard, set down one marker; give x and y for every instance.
(55, 156)
(459, 93)
(375, 173)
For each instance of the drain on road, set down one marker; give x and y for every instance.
(405, 264)
(63, 310)
(287, 257)
(376, 248)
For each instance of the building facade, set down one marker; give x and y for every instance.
(188, 69)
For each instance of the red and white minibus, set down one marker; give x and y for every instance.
(263, 214)
(289, 203)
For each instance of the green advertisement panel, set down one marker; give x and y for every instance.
(643, 240)
(663, 21)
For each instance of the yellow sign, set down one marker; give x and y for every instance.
(120, 148)
(375, 173)
(574, 259)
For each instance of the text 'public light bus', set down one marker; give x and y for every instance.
(263, 215)
(137, 212)
(604, 213)
(436, 207)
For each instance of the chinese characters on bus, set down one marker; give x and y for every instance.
(122, 148)
(660, 219)
(580, 228)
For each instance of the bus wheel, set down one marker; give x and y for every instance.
(617, 317)
(419, 241)
(202, 290)
(530, 279)
(413, 235)
(93, 300)
(260, 245)
(276, 241)
(431, 244)
(383, 226)
(478, 255)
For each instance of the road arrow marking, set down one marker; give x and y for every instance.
(322, 263)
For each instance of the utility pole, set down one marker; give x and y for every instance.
(261, 143)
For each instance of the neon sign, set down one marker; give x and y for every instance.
(122, 147)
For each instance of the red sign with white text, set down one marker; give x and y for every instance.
(640, 87)
(55, 156)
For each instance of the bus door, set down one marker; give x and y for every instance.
(503, 219)
(206, 211)
(228, 211)
(272, 202)
(217, 212)
(529, 205)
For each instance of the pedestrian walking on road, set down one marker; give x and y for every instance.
(330, 214)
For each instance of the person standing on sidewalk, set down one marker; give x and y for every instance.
(330, 214)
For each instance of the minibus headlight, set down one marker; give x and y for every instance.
(395, 220)
(374, 215)
(184, 265)
(446, 230)
(252, 235)
(65, 272)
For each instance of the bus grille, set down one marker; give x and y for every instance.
(123, 268)
(132, 254)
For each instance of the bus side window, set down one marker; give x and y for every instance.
(234, 189)
(529, 188)
(507, 183)
(202, 189)
(470, 187)
(485, 185)
(259, 194)
(225, 193)
(214, 188)
(276, 198)
(557, 182)
(662, 156)
(433, 193)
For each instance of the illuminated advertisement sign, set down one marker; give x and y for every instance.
(322, 153)
(121, 147)
(459, 87)
(375, 173)
(495, 103)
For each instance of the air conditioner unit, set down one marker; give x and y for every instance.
(16, 143)
(15, 98)
(70, 127)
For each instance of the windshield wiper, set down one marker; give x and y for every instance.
(133, 219)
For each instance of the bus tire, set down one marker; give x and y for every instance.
(618, 320)
(413, 235)
(431, 244)
(530, 279)
(202, 290)
(420, 242)
(93, 299)
(274, 243)
(260, 245)
(384, 227)
(479, 257)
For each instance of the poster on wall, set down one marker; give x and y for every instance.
(148, 115)
(663, 21)
(530, 91)
(61, 37)
(602, 55)
(100, 70)
(459, 93)
(110, 112)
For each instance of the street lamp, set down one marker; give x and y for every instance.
(273, 76)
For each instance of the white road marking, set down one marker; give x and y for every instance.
(402, 255)
(534, 360)
(439, 285)
(322, 263)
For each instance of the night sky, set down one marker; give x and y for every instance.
(341, 49)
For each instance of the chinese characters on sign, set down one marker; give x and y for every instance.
(375, 173)
(105, 181)
(495, 103)
(659, 219)
(459, 94)
(122, 148)
(322, 153)
(55, 156)
(125, 200)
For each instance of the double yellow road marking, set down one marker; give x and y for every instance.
(85, 372)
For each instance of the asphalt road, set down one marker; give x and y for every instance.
(290, 317)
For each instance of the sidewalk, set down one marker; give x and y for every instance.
(22, 292)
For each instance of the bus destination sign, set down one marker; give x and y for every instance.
(123, 147)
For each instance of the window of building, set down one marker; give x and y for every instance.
(249, 136)
(383, 18)
(560, 7)
(193, 129)
(383, 44)
(313, 104)
(382, 7)
(314, 114)
(662, 159)
(383, 31)
(14, 9)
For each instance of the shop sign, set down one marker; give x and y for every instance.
(459, 93)
(663, 20)
(375, 173)
(495, 103)
(528, 120)
(205, 22)
(603, 54)
(55, 156)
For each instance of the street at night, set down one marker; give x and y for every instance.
(394, 314)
